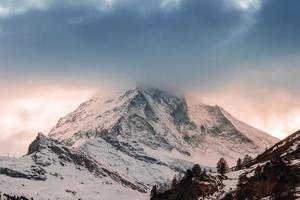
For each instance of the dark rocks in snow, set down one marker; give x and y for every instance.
(35, 173)
(36, 144)
(135, 152)
(13, 197)
(141, 102)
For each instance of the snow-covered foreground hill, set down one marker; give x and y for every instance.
(120, 147)
(54, 171)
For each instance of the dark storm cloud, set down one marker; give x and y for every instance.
(275, 32)
(194, 41)
(68, 38)
(279, 25)
(268, 53)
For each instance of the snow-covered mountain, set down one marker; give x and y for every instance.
(52, 170)
(120, 147)
(150, 134)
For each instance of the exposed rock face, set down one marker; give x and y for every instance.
(37, 144)
(36, 173)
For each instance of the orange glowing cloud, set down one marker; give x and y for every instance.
(274, 111)
(27, 110)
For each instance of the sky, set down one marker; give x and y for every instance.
(240, 54)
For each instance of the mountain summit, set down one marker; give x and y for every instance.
(150, 133)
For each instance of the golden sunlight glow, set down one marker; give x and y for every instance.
(37, 110)
(278, 113)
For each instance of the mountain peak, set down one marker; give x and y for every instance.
(158, 119)
(151, 91)
(37, 144)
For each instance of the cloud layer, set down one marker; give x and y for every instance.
(181, 39)
(147, 41)
(28, 109)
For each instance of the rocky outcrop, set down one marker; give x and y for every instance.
(35, 173)
(37, 144)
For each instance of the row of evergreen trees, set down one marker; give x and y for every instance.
(195, 171)
(240, 163)
(222, 166)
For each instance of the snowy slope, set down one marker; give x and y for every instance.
(274, 174)
(150, 134)
(287, 149)
(51, 170)
(278, 177)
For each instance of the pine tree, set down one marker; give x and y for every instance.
(189, 174)
(204, 172)
(247, 159)
(222, 166)
(180, 176)
(174, 181)
(196, 170)
(153, 191)
(163, 187)
(257, 170)
(238, 164)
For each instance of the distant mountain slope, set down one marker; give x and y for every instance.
(288, 149)
(150, 134)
